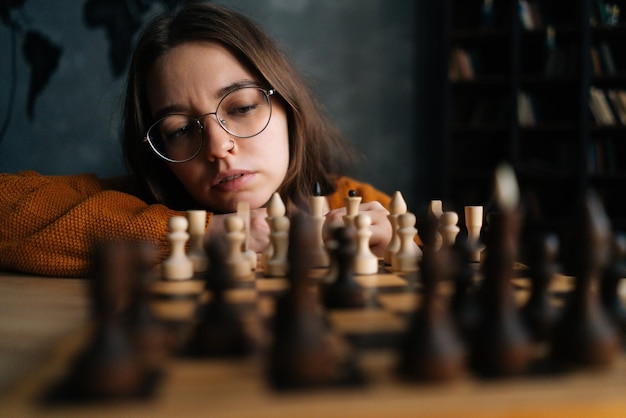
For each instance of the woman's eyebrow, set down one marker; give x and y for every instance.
(167, 110)
(234, 86)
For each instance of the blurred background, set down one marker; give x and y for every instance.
(63, 67)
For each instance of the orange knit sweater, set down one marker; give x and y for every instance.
(49, 224)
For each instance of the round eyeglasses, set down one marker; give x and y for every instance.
(243, 113)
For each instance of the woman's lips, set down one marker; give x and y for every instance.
(228, 182)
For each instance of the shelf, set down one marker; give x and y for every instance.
(534, 111)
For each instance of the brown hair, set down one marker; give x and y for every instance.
(318, 153)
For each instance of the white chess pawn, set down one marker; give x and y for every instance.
(275, 209)
(319, 254)
(235, 261)
(365, 262)
(243, 210)
(277, 266)
(177, 266)
(352, 208)
(397, 206)
(449, 228)
(473, 223)
(407, 258)
(435, 211)
(197, 253)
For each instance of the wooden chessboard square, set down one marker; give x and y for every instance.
(402, 303)
(382, 281)
(176, 310)
(241, 296)
(363, 321)
(561, 284)
(177, 288)
(271, 285)
(266, 306)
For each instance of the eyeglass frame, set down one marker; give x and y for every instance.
(268, 93)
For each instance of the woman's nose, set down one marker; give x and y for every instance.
(219, 143)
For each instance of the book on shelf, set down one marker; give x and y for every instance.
(596, 63)
(524, 15)
(606, 58)
(530, 14)
(561, 60)
(487, 13)
(601, 156)
(621, 93)
(618, 105)
(461, 66)
(526, 115)
(605, 13)
(600, 108)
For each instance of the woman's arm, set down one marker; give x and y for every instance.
(50, 224)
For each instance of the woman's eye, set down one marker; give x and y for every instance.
(242, 110)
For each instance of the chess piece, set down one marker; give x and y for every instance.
(316, 205)
(435, 211)
(219, 330)
(539, 313)
(463, 303)
(408, 255)
(108, 367)
(243, 210)
(352, 208)
(177, 266)
(432, 350)
(275, 209)
(196, 253)
(304, 353)
(278, 265)
(584, 336)
(343, 291)
(150, 339)
(365, 262)
(500, 344)
(238, 265)
(448, 229)
(397, 206)
(474, 223)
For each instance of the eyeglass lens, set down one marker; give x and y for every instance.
(242, 113)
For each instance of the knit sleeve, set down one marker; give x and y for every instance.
(367, 192)
(50, 224)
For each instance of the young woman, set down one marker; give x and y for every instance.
(214, 115)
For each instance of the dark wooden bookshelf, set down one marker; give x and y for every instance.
(536, 97)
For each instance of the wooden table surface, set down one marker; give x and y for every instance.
(40, 320)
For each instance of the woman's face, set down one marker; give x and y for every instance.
(192, 79)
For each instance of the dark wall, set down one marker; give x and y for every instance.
(359, 55)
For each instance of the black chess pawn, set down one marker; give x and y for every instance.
(584, 335)
(428, 228)
(343, 291)
(539, 313)
(151, 340)
(500, 344)
(431, 349)
(304, 353)
(463, 305)
(108, 367)
(220, 330)
(609, 289)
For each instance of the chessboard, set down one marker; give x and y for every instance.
(240, 383)
(488, 324)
